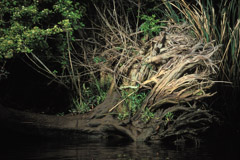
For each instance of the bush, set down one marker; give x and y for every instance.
(34, 26)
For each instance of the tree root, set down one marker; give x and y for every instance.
(100, 124)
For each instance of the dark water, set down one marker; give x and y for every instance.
(25, 148)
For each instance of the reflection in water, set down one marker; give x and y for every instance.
(35, 149)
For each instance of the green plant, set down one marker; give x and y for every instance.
(124, 113)
(147, 115)
(60, 114)
(98, 93)
(213, 22)
(132, 102)
(169, 117)
(91, 95)
(44, 32)
(79, 107)
(151, 25)
(3, 72)
(28, 26)
(99, 59)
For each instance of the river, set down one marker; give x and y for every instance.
(18, 147)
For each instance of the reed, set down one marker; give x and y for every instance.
(219, 22)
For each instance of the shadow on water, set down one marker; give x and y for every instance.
(35, 148)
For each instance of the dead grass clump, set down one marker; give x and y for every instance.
(176, 67)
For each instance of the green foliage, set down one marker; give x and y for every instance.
(147, 115)
(27, 26)
(99, 59)
(133, 102)
(60, 114)
(151, 25)
(92, 96)
(95, 94)
(124, 113)
(172, 13)
(72, 11)
(230, 38)
(3, 72)
(169, 117)
(79, 106)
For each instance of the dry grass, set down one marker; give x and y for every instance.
(214, 23)
(175, 66)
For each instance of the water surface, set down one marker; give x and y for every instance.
(26, 148)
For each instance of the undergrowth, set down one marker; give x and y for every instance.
(93, 94)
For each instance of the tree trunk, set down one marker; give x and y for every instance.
(99, 123)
